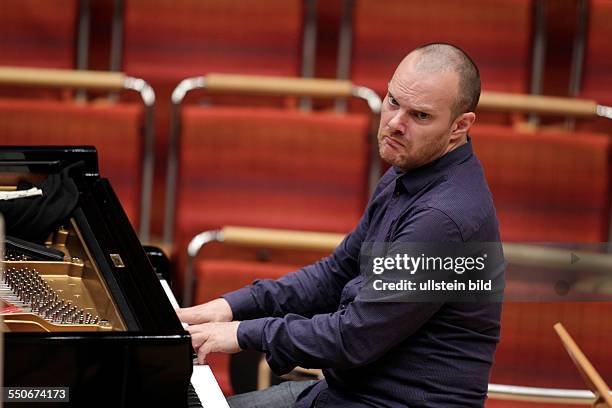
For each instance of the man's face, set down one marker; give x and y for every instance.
(416, 125)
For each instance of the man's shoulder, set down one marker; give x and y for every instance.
(464, 197)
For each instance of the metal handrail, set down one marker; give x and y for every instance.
(261, 85)
(102, 80)
(540, 394)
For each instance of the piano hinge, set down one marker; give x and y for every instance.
(117, 261)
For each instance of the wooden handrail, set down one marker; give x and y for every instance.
(504, 102)
(275, 238)
(61, 78)
(280, 86)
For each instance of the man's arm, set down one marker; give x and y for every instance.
(357, 334)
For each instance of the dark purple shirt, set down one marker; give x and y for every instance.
(384, 354)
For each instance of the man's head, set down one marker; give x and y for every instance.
(429, 107)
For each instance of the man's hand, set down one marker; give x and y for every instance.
(217, 310)
(213, 337)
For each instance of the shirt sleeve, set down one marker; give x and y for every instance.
(359, 332)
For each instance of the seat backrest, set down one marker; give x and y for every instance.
(41, 34)
(38, 33)
(169, 40)
(495, 34)
(270, 167)
(115, 130)
(547, 186)
(597, 77)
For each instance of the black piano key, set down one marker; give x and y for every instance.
(193, 401)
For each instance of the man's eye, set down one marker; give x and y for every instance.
(392, 101)
(421, 115)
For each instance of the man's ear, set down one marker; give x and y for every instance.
(463, 123)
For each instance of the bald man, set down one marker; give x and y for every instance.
(383, 354)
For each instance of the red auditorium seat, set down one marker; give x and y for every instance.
(216, 277)
(597, 81)
(166, 41)
(275, 168)
(495, 34)
(169, 40)
(38, 33)
(547, 186)
(597, 73)
(114, 130)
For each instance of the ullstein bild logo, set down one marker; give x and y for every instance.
(432, 285)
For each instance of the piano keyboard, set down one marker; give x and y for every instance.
(202, 380)
(193, 400)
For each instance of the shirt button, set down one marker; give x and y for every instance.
(396, 194)
(342, 307)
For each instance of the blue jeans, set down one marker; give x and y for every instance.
(283, 395)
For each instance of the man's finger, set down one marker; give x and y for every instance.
(203, 352)
(196, 342)
(197, 339)
(199, 328)
(187, 315)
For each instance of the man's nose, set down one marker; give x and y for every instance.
(396, 123)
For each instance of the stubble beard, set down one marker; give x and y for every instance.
(407, 159)
(392, 156)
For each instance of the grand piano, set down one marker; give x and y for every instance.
(86, 309)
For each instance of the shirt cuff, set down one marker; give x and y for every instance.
(250, 334)
(242, 303)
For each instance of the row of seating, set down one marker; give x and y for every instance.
(165, 41)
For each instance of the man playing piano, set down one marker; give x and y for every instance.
(392, 354)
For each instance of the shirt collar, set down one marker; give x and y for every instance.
(414, 180)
